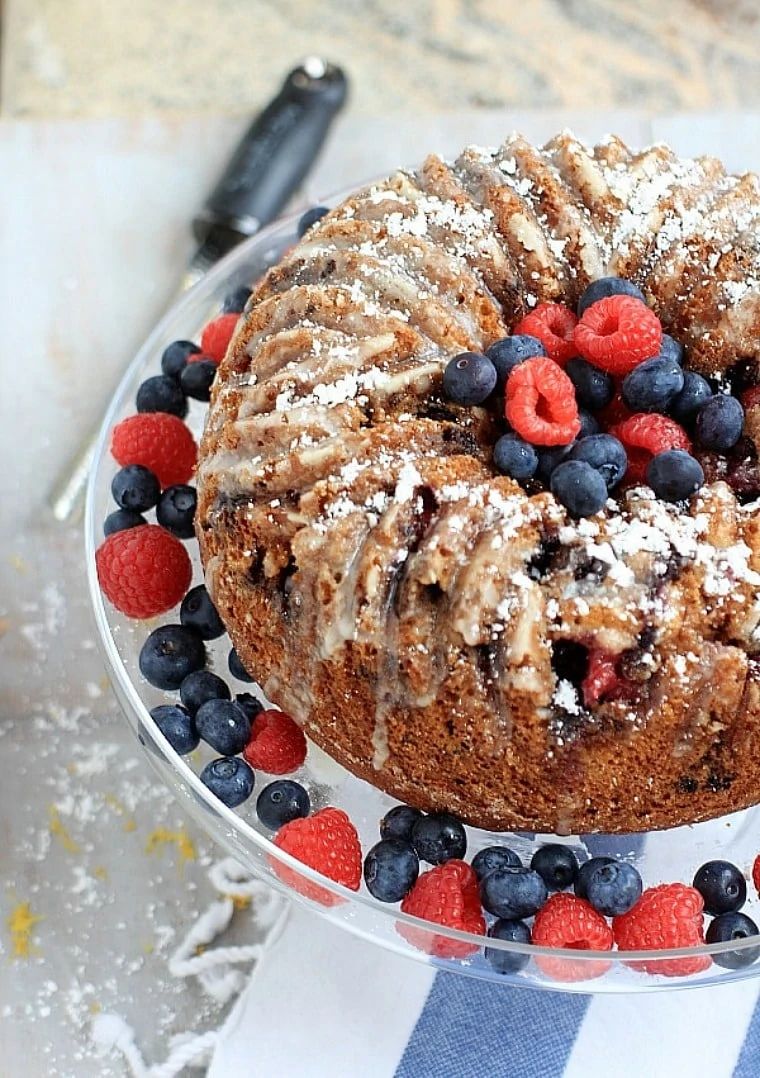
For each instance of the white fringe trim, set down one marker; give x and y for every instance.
(213, 967)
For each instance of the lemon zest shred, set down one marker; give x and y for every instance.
(58, 829)
(162, 837)
(20, 923)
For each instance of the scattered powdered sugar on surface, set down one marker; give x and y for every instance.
(95, 911)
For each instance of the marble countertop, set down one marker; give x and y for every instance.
(83, 59)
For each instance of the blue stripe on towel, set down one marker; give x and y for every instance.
(748, 1064)
(474, 1029)
(623, 846)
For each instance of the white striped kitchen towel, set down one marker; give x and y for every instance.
(325, 1004)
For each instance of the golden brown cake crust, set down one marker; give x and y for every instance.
(423, 617)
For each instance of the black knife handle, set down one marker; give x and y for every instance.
(274, 155)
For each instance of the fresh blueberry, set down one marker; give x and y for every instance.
(512, 932)
(612, 889)
(223, 726)
(249, 705)
(557, 866)
(589, 424)
(674, 475)
(230, 779)
(439, 837)
(469, 378)
(733, 926)
(671, 349)
(136, 488)
(177, 726)
(507, 353)
(282, 801)
(170, 653)
(722, 886)
(515, 458)
(399, 822)
(719, 422)
(197, 378)
(236, 667)
(120, 520)
(606, 455)
(200, 687)
(197, 612)
(312, 215)
(653, 385)
(235, 301)
(549, 458)
(579, 487)
(513, 892)
(493, 857)
(161, 393)
(175, 356)
(696, 390)
(586, 870)
(391, 869)
(176, 510)
(606, 287)
(594, 388)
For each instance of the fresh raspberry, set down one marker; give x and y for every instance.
(646, 434)
(160, 442)
(554, 325)
(618, 333)
(217, 335)
(602, 677)
(664, 917)
(326, 842)
(277, 743)
(750, 398)
(540, 403)
(756, 874)
(572, 923)
(143, 571)
(447, 895)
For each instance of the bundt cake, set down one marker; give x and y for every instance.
(451, 636)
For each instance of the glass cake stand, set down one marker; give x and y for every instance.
(664, 856)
